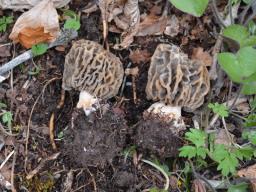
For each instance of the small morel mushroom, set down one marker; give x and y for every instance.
(93, 71)
(175, 80)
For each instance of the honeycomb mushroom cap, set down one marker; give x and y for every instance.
(89, 67)
(175, 79)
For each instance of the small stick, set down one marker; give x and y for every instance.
(13, 168)
(7, 158)
(51, 130)
(41, 165)
(64, 38)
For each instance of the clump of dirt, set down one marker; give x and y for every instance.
(124, 179)
(94, 140)
(157, 137)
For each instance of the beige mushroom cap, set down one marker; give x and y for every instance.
(89, 67)
(175, 79)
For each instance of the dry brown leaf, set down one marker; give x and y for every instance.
(28, 4)
(140, 56)
(152, 23)
(249, 173)
(199, 186)
(39, 24)
(222, 138)
(200, 54)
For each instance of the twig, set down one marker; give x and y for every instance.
(213, 71)
(64, 38)
(13, 169)
(166, 186)
(2, 129)
(230, 11)
(51, 131)
(6, 159)
(217, 14)
(243, 14)
(29, 120)
(41, 165)
(200, 177)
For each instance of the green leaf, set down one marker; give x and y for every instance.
(39, 49)
(236, 32)
(252, 27)
(2, 105)
(4, 21)
(219, 109)
(7, 118)
(241, 187)
(193, 7)
(227, 160)
(244, 153)
(228, 164)
(188, 151)
(197, 137)
(72, 24)
(201, 152)
(239, 66)
(249, 88)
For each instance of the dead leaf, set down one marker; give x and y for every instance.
(199, 186)
(140, 56)
(28, 4)
(5, 51)
(222, 138)
(200, 54)
(249, 173)
(243, 108)
(39, 24)
(172, 27)
(152, 23)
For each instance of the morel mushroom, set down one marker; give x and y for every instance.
(93, 71)
(175, 80)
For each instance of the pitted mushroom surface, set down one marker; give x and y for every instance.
(175, 79)
(94, 71)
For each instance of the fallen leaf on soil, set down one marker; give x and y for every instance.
(152, 23)
(198, 186)
(5, 51)
(27, 4)
(222, 138)
(140, 56)
(249, 173)
(243, 108)
(39, 24)
(200, 54)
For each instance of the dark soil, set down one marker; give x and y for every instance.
(94, 140)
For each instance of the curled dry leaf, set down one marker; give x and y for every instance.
(249, 173)
(28, 4)
(140, 56)
(39, 24)
(154, 24)
(200, 54)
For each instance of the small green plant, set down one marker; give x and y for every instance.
(220, 109)
(7, 118)
(227, 157)
(35, 71)
(241, 66)
(39, 49)
(241, 187)
(73, 22)
(4, 22)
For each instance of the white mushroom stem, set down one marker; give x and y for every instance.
(173, 113)
(160, 108)
(88, 102)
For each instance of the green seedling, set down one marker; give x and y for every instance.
(73, 22)
(4, 22)
(220, 109)
(39, 49)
